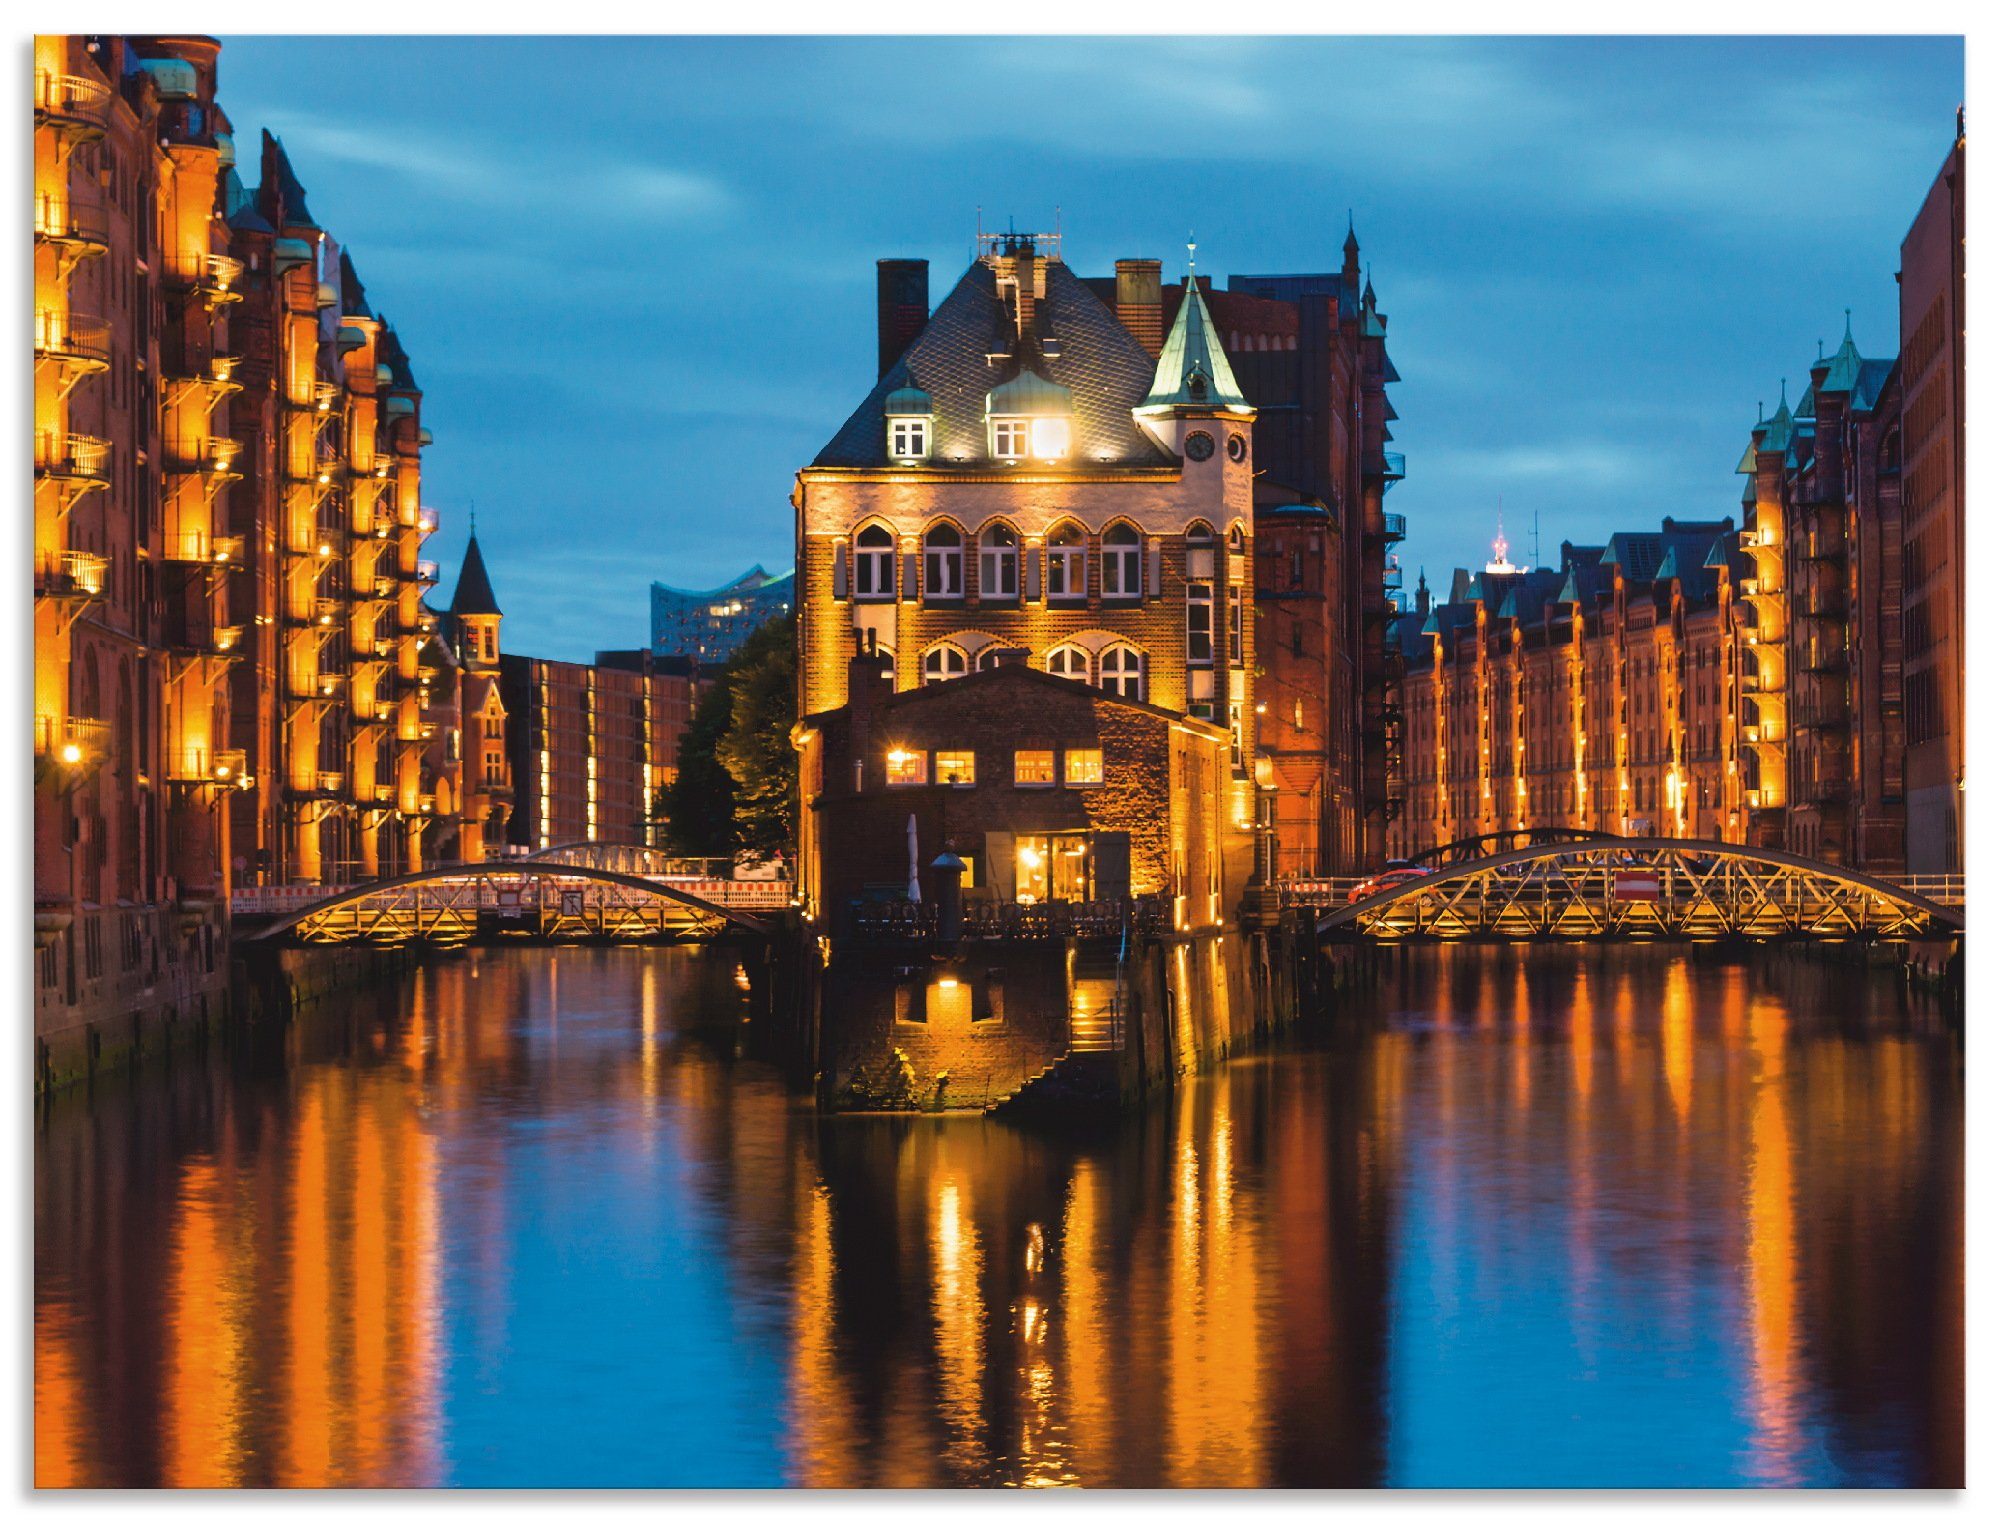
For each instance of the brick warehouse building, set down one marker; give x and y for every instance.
(1700, 681)
(1932, 299)
(1024, 475)
(228, 617)
(1060, 798)
(1309, 353)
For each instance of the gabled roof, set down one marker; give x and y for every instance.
(1095, 357)
(390, 351)
(282, 182)
(1193, 370)
(353, 295)
(474, 592)
(958, 686)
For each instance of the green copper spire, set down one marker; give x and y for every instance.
(1844, 369)
(1193, 370)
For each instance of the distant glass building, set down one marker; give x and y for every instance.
(708, 626)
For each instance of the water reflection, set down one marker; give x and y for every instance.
(1543, 1218)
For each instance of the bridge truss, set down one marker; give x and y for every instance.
(519, 899)
(1644, 889)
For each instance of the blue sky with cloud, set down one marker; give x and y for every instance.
(636, 275)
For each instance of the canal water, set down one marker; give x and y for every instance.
(1543, 1218)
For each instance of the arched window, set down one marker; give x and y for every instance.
(942, 663)
(1236, 539)
(1121, 562)
(1066, 572)
(944, 562)
(1000, 562)
(1068, 661)
(1122, 670)
(874, 563)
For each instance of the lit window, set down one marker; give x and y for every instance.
(1068, 661)
(1121, 562)
(1051, 436)
(1010, 438)
(955, 768)
(1034, 769)
(907, 767)
(1066, 573)
(1236, 626)
(999, 563)
(1083, 769)
(944, 563)
(874, 563)
(1122, 670)
(942, 663)
(909, 438)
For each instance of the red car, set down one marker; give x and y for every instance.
(1385, 880)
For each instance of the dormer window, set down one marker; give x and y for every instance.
(1028, 417)
(908, 412)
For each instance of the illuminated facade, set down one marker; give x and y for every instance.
(331, 708)
(1309, 352)
(1024, 475)
(228, 616)
(1593, 696)
(590, 744)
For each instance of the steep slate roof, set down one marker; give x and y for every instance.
(240, 206)
(280, 177)
(474, 592)
(1107, 373)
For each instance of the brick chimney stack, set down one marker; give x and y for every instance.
(1024, 290)
(1139, 301)
(902, 307)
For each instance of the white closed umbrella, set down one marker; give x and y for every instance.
(916, 888)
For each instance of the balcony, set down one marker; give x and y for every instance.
(320, 613)
(71, 576)
(70, 741)
(78, 459)
(427, 521)
(1825, 605)
(198, 766)
(80, 345)
(211, 277)
(197, 547)
(79, 232)
(1392, 573)
(1393, 527)
(74, 105)
(210, 455)
(427, 573)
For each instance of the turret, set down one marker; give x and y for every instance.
(476, 612)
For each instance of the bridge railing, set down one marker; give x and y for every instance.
(1939, 888)
(1316, 893)
(731, 893)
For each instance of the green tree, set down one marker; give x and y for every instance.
(737, 775)
(757, 748)
(701, 800)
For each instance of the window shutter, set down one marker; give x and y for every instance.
(840, 569)
(1031, 574)
(909, 576)
(1152, 568)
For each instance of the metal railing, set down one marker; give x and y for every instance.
(72, 98)
(70, 574)
(991, 920)
(58, 219)
(72, 338)
(74, 456)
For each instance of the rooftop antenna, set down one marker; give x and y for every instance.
(1538, 536)
(1190, 249)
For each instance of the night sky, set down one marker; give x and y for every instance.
(636, 276)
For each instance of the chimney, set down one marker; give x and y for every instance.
(1024, 290)
(1139, 301)
(902, 307)
(869, 680)
(1011, 655)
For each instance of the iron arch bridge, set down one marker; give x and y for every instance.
(1626, 889)
(517, 899)
(1472, 848)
